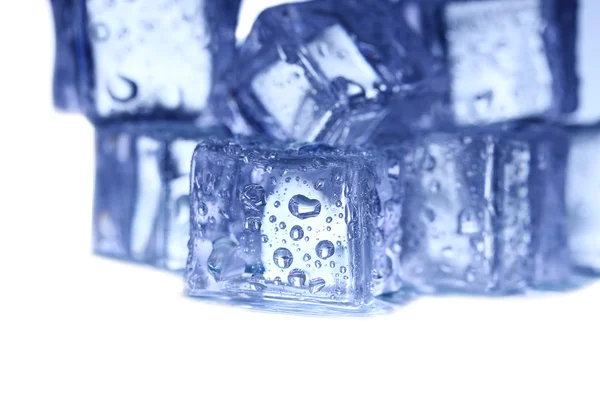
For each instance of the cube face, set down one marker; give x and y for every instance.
(287, 225)
(484, 40)
(308, 71)
(126, 53)
(501, 60)
(583, 191)
(141, 210)
(485, 212)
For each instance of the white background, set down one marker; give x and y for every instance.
(73, 326)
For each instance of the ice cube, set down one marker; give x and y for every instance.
(583, 192)
(504, 60)
(143, 59)
(282, 224)
(484, 211)
(323, 71)
(141, 210)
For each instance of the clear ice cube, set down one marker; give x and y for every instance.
(583, 192)
(146, 59)
(323, 71)
(504, 60)
(282, 224)
(141, 210)
(485, 212)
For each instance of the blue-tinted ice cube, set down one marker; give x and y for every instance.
(504, 60)
(282, 224)
(322, 71)
(485, 212)
(141, 210)
(583, 192)
(143, 59)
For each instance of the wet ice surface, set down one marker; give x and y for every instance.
(484, 213)
(161, 56)
(141, 210)
(287, 225)
(312, 72)
(497, 61)
(583, 192)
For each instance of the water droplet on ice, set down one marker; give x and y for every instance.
(297, 278)
(283, 257)
(296, 233)
(316, 285)
(302, 207)
(325, 249)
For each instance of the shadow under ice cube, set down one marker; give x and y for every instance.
(141, 210)
(125, 59)
(485, 212)
(281, 224)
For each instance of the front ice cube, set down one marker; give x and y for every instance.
(281, 224)
(485, 212)
(308, 72)
(145, 59)
(505, 60)
(583, 192)
(141, 210)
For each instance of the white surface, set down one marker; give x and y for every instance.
(78, 327)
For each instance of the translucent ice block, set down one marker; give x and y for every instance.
(144, 59)
(323, 71)
(291, 225)
(141, 210)
(504, 59)
(485, 212)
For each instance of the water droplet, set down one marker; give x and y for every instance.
(302, 207)
(319, 184)
(343, 270)
(318, 264)
(325, 249)
(338, 203)
(316, 285)
(277, 281)
(328, 220)
(448, 253)
(277, 204)
(283, 257)
(306, 257)
(202, 209)
(122, 89)
(468, 222)
(282, 225)
(257, 283)
(306, 238)
(332, 264)
(428, 162)
(264, 238)
(434, 187)
(296, 233)
(99, 32)
(253, 197)
(252, 224)
(272, 218)
(429, 214)
(297, 278)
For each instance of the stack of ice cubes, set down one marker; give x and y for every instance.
(344, 149)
